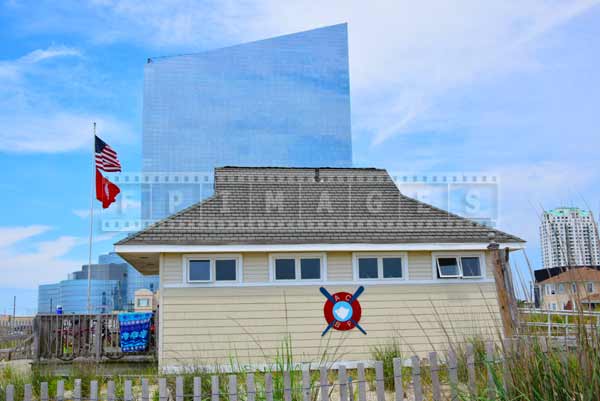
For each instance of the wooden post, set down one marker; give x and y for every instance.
(343, 383)
(508, 354)
(250, 388)
(146, 390)
(60, 390)
(416, 375)
(379, 381)
(110, 391)
(178, 388)
(324, 384)
(268, 387)
(504, 287)
(98, 338)
(27, 393)
(128, 393)
(232, 388)
(305, 385)
(287, 386)
(77, 390)
(362, 388)
(94, 390)
(549, 325)
(198, 389)
(453, 375)
(162, 389)
(214, 388)
(471, 370)
(398, 385)
(10, 393)
(44, 391)
(435, 376)
(36, 338)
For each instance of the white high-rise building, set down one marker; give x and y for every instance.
(569, 238)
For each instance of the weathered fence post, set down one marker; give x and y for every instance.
(214, 388)
(146, 390)
(36, 338)
(471, 370)
(416, 376)
(44, 391)
(398, 385)
(162, 389)
(128, 393)
(77, 390)
(110, 391)
(250, 388)
(232, 388)
(362, 388)
(435, 376)
(60, 390)
(287, 386)
(27, 393)
(98, 338)
(324, 384)
(268, 387)
(379, 381)
(94, 390)
(198, 389)
(343, 383)
(305, 385)
(453, 375)
(490, 362)
(508, 353)
(504, 288)
(10, 393)
(178, 388)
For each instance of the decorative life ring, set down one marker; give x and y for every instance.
(342, 310)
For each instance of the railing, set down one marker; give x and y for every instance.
(67, 337)
(470, 373)
(563, 325)
(15, 338)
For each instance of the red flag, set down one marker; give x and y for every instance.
(106, 191)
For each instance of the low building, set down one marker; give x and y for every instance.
(245, 272)
(566, 290)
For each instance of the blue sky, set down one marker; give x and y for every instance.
(504, 88)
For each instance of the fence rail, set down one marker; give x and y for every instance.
(560, 326)
(16, 335)
(470, 374)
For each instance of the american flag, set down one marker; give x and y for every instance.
(106, 157)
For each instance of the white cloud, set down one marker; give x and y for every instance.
(42, 261)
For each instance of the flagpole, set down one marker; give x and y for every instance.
(89, 288)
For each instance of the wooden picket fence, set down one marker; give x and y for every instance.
(317, 385)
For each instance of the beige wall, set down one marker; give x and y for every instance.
(203, 325)
(556, 297)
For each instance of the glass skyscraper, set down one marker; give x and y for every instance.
(283, 101)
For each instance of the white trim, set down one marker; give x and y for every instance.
(355, 247)
(314, 283)
(212, 258)
(458, 255)
(322, 256)
(379, 256)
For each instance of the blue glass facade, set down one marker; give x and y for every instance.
(113, 287)
(283, 101)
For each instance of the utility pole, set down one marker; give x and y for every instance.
(14, 311)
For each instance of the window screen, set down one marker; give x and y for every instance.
(392, 267)
(470, 266)
(310, 269)
(447, 267)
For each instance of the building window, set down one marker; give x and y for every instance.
(458, 266)
(561, 288)
(297, 267)
(377, 267)
(143, 302)
(211, 268)
(574, 288)
(590, 288)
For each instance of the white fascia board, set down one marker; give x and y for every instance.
(360, 247)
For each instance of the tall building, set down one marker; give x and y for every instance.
(113, 286)
(569, 238)
(283, 101)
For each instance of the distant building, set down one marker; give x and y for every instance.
(569, 238)
(569, 288)
(113, 286)
(283, 101)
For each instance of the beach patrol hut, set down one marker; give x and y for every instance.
(246, 272)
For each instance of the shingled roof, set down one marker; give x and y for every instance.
(270, 205)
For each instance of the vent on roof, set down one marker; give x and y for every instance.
(317, 175)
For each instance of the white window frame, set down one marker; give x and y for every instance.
(437, 255)
(587, 287)
(380, 256)
(322, 256)
(212, 259)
